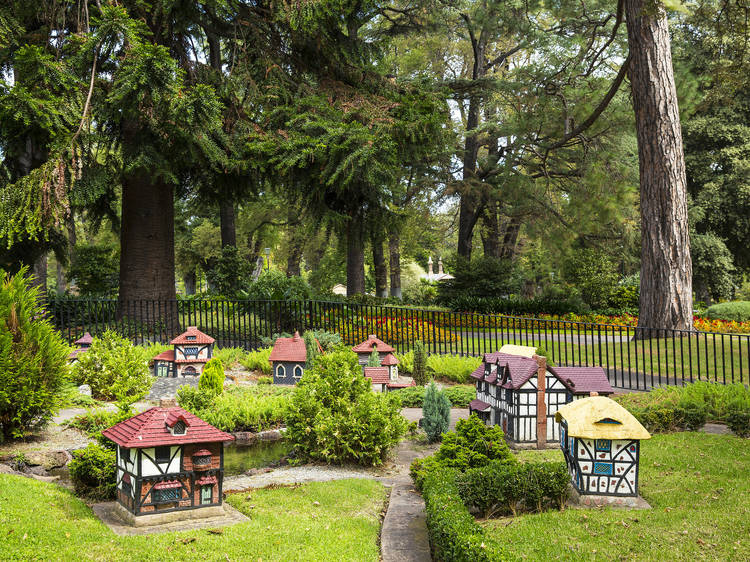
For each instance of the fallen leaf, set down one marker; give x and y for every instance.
(216, 531)
(700, 542)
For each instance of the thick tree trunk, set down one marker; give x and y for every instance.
(355, 258)
(227, 224)
(666, 267)
(471, 204)
(394, 262)
(60, 284)
(190, 282)
(40, 273)
(491, 231)
(293, 260)
(381, 269)
(147, 251)
(510, 239)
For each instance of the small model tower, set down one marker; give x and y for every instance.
(83, 343)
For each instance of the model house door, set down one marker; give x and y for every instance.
(206, 494)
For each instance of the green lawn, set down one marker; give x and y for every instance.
(698, 486)
(40, 521)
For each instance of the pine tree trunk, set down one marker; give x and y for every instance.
(491, 231)
(394, 261)
(227, 224)
(666, 267)
(471, 205)
(355, 258)
(381, 270)
(296, 248)
(190, 283)
(510, 239)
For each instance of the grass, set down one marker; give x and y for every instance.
(40, 521)
(698, 486)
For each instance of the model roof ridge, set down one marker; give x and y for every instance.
(192, 331)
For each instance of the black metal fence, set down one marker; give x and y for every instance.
(634, 358)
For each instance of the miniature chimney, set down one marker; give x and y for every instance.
(440, 266)
(167, 403)
(541, 404)
(296, 336)
(429, 267)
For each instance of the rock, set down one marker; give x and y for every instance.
(6, 469)
(38, 471)
(48, 459)
(85, 390)
(44, 478)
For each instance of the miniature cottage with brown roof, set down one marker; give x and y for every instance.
(385, 377)
(167, 460)
(364, 349)
(289, 359)
(83, 343)
(522, 394)
(192, 350)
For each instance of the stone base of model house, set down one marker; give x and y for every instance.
(151, 519)
(528, 445)
(593, 500)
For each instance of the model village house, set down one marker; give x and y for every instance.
(289, 359)
(385, 377)
(192, 350)
(168, 460)
(522, 394)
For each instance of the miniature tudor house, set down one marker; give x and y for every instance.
(522, 394)
(83, 343)
(601, 443)
(192, 350)
(168, 460)
(289, 359)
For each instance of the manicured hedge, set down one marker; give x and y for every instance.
(458, 395)
(739, 311)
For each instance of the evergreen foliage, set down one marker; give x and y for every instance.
(94, 472)
(33, 359)
(472, 444)
(436, 413)
(212, 377)
(419, 364)
(374, 359)
(311, 346)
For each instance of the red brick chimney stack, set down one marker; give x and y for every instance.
(541, 402)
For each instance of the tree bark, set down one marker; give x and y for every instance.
(394, 259)
(381, 270)
(666, 267)
(510, 239)
(227, 224)
(471, 204)
(293, 260)
(355, 258)
(491, 231)
(40, 273)
(190, 282)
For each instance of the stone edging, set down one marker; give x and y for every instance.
(247, 437)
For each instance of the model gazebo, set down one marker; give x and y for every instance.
(601, 443)
(192, 350)
(168, 460)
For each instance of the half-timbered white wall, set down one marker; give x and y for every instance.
(151, 468)
(192, 351)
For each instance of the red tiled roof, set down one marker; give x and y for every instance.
(583, 380)
(165, 356)
(388, 360)
(378, 375)
(200, 337)
(366, 346)
(478, 405)
(520, 369)
(149, 429)
(174, 417)
(86, 340)
(289, 349)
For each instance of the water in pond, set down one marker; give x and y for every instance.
(240, 457)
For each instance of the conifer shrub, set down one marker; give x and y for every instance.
(374, 359)
(739, 311)
(436, 413)
(115, 369)
(33, 359)
(311, 347)
(93, 471)
(212, 377)
(472, 444)
(419, 368)
(334, 416)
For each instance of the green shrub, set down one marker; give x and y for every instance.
(374, 359)
(115, 369)
(454, 534)
(335, 417)
(455, 368)
(93, 422)
(410, 397)
(154, 349)
(405, 362)
(436, 413)
(93, 471)
(265, 380)
(311, 347)
(541, 351)
(739, 311)
(230, 356)
(460, 395)
(327, 340)
(419, 369)
(258, 361)
(212, 377)
(739, 422)
(95, 269)
(33, 359)
(472, 444)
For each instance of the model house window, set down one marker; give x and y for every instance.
(280, 371)
(191, 352)
(161, 454)
(166, 495)
(203, 460)
(603, 445)
(206, 494)
(603, 468)
(179, 428)
(190, 338)
(297, 372)
(509, 397)
(125, 454)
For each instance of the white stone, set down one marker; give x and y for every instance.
(85, 390)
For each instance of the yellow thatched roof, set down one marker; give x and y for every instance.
(522, 350)
(585, 418)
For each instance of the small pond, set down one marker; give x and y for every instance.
(241, 457)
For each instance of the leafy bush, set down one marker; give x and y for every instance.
(472, 444)
(258, 361)
(335, 417)
(482, 277)
(739, 422)
(230, 356)
(246, 408)
(405, 362)
(327, 340)
(311, 347)
(33, 359)
(458, 395)
(541, 351)
(265, 380)
(94, 421)
(212, 377)
(282, 292)
(419, 368)
(115, 369)
(517, 305)
(95, 268)
(454, 534)
(93, 471)
(455, 368)
(593, 273)
(738, 311)
(154, 349)
(228, 273)
(436, 413)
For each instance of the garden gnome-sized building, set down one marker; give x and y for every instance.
(364, 349)
(289, 359)
(522, 395)
(383, 381)
(83, 343)
(601, 443)
(192, 350)
(168, 460)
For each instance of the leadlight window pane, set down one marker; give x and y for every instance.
(167, 495)
(179, 428)
(603, 445)
(161, 454)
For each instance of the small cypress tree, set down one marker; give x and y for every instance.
(312, 347)
(419, 372)
(212, 378)
(374, 360)
(436, 413)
